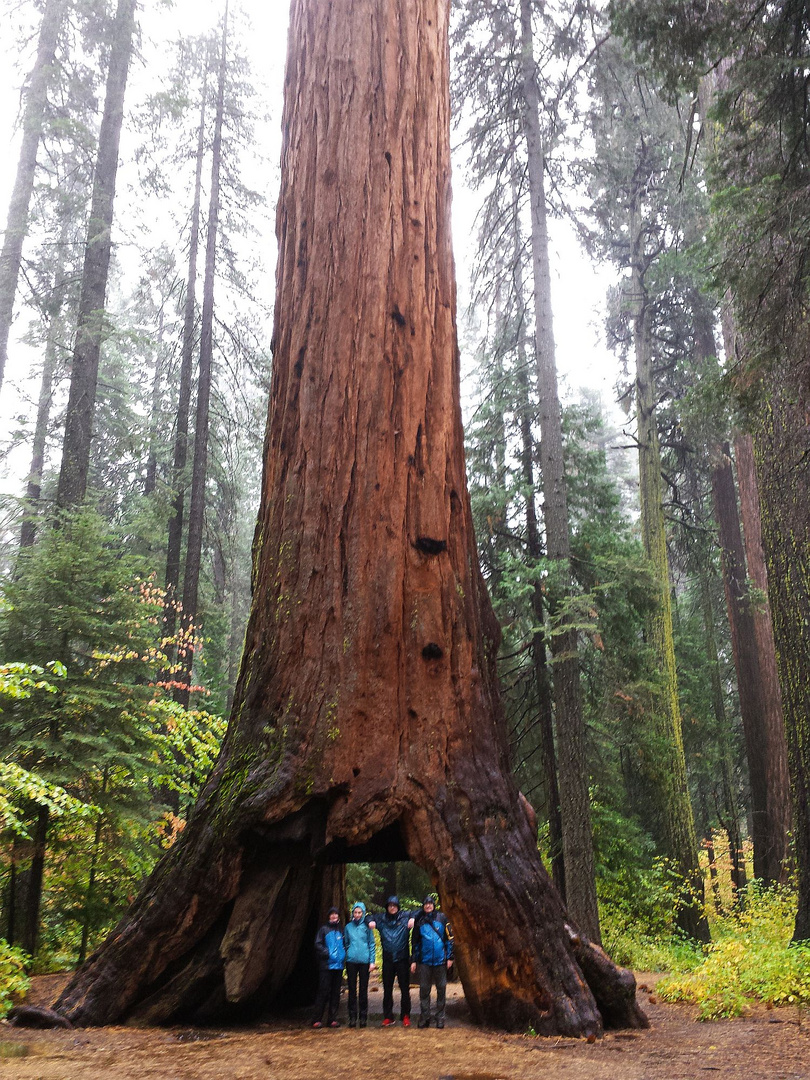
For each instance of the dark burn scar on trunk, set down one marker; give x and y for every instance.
(430, 546)
(432, 651)
(397, 316)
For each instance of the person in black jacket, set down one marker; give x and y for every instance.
(431, 955)
(393, 925)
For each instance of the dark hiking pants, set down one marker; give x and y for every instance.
(357, 972)
(401, 970)
(432, 976)
(328, 990)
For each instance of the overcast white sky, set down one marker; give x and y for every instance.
(578, 288)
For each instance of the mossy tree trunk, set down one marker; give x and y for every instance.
(366, 722)
(675, 822)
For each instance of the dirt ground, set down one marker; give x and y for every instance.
(767, 1044)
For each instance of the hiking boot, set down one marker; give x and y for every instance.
(362, 1021)
(440, 1024)
(422, 1023)
(387, 1022)
(406, 1021)
(317, 1024)
(352, 1023)
(335, 1023)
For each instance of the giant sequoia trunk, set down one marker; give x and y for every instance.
(366, 723)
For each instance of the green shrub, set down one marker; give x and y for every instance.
(633, 948)
(13, 980)
(751, 959)
(638, 897)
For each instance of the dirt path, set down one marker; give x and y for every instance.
(766, 1045)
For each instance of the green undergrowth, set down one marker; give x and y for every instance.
(750, 960)
(14, 982)
(648, 952)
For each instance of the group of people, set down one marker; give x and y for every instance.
(417, 941)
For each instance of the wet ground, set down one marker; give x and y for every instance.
(765, 1045)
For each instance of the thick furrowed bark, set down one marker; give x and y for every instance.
(366, 715)
(781, 445)
(520, 965)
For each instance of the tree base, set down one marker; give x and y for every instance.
(226, 934)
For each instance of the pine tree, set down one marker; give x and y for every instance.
(633, 162)
(90, 329)
(33, 121)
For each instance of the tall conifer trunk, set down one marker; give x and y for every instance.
(534, 548)
(542, 682)
(366, 723)
(777, 776)
(782, 447)
(769, 845)
(33, 491)
(174, 542)
(199, 470)
(675, 822)
(72, 485)
(36, 101)
(150, 480)
(732, 822)
(91, 326)
(572, 759)
(752, 637)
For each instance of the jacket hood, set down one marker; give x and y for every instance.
(360, 905)
(392, 900)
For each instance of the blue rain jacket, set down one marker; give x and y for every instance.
(393, 931)
(330, 948)
(358, 938)
(432, 939)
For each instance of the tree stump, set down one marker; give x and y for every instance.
(367, 723)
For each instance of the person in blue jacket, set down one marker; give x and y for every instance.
(331, 953)
(393, 925)
(361, 958)
(431, 956)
